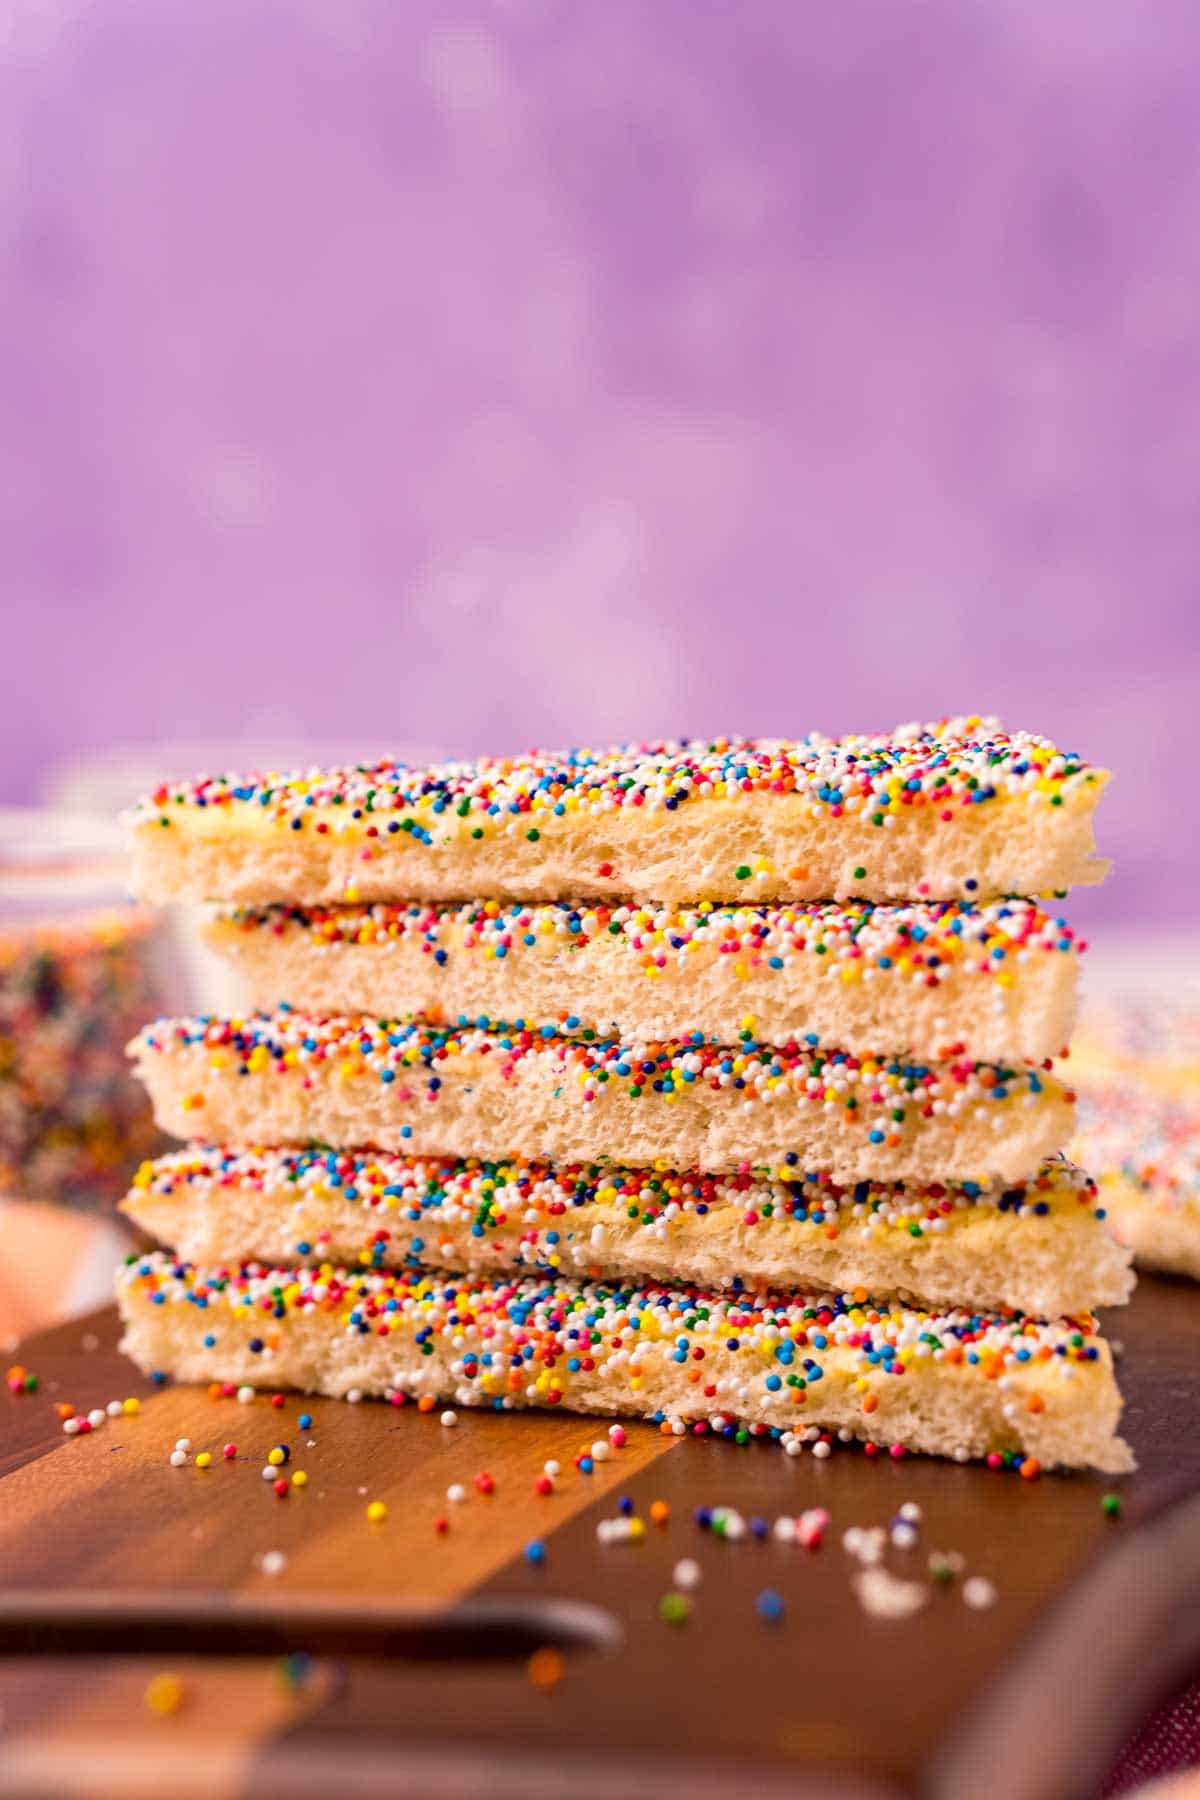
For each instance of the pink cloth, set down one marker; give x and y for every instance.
(1165, 1744)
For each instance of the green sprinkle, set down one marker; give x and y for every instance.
(673, 1609)
(859, 874)
(742, 872)
(1111, 1504)
(533, 834)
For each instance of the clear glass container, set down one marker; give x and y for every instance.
(82, 968)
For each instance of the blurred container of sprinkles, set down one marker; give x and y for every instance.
(81, 969)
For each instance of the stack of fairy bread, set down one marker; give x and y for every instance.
(703, 1081)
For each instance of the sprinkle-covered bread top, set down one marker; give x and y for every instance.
(878, 1093)
(1136, 1137)
(554, 1329)
(926, 940)
(1151, 1031)
(490, 1196)
(951, 765)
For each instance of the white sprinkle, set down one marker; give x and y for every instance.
(449, 1417)
(979, 1593)
(865, 1543)
(183, 1443)
(687, 1573)
(114, 1409)
(270, 1472)
(601, 1450)
(904, 1535)
(178, 1459)
(551, 1468)
(354, 1395)
(910, 1511)
(456, 1493)
(71, 1427)
(885, 1596)
(97, 1417)
(272, 1562)
(820, 1450)
(784, 1529)
(245, 1395)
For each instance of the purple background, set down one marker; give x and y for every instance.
(537, 372)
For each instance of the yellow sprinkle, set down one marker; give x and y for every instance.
(131, 1408)
(164, 1694)
(299, 1479)
(275, 1457)
(377, 1512)
(204, 1460)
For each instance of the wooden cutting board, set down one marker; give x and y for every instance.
(115, 1567)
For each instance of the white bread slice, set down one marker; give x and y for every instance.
(954, 1384)
(926, 980)
(946, 811)
(1041, 1247)
(1144, 1146)
(290, 1078)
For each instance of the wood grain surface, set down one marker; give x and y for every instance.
(115, 1566)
